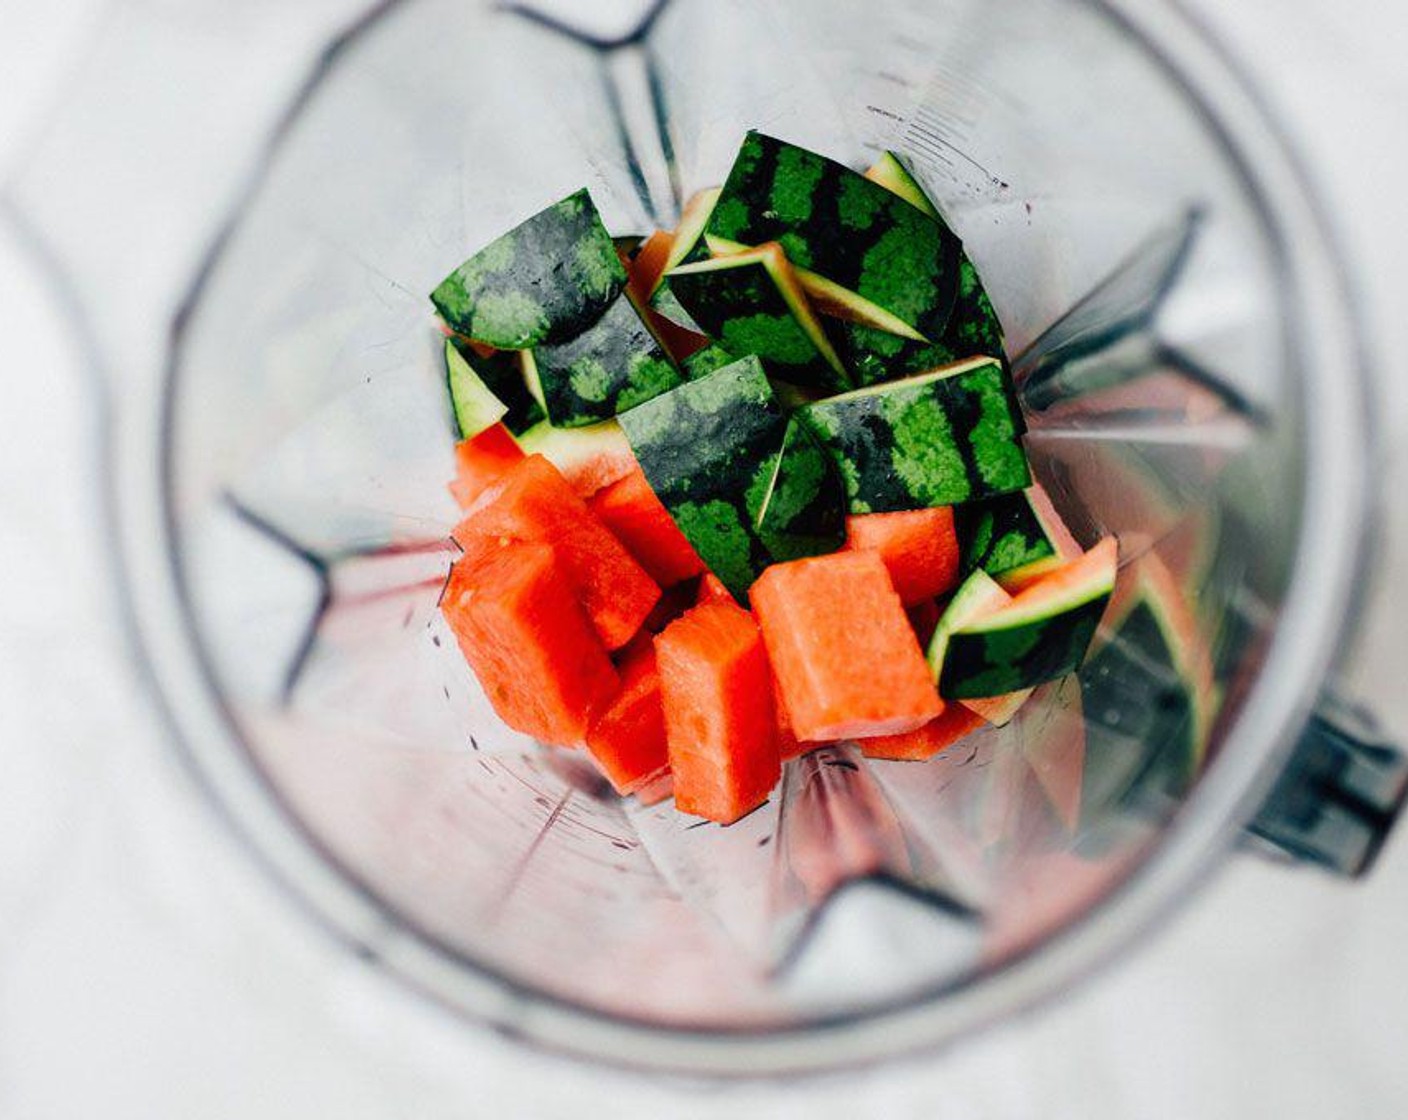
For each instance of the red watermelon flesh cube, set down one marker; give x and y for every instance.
(919, 548)
(952, 724)
(530, 644)
(627, 738)
(630, 509)
(788, 745)
(533, 502)
(719, 718)
(481, 462)
(712, 590)
(846, 659)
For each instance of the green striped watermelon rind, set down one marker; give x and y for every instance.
(804, 510)
(973, 327)
(1037, 639)
(614, 365)
(751, 304)
(976, 595)
(545, 280)
(1003, 534)
(834, 223)
(707, 448)
(941, 438)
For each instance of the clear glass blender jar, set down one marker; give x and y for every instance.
(1192, 378)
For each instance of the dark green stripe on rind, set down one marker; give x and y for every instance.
(933, 440)
(981, 663)
(545, 280)
(502, 372)
(613, 366)
(707, 449)
(742, 307)
(1001, 534)
(705, 361)
(804, 511)
(973, 329)
(843, 227)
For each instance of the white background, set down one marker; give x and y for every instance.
(146, 971)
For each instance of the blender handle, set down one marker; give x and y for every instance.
(1338, 797)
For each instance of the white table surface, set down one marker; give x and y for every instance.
(147, 971)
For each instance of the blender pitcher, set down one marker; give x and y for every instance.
(256, 303)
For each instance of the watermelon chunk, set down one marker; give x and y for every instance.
(979, 596)
(630, 509)
(708, 448)
(1040, 635)
(752, 303)
(530, 644)
(712, 590)
(546, 279)
(973, 327)
(1016, 538)
(481, 462)
(627, 738)
(788, 745)
(847, 663)
(952, 724)
(535, 503)
(947, 436)
(803, 512)
(612, 365)
(853, 242)
(919, 548)
(719, 717)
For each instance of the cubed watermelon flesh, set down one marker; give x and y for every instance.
(480, 462)
(627, 738)
(534, 502)
(952, 724)
(847, 662)
(530, 644)
(919, 548)
(719, 717)
(712, 590)
(630, 509)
